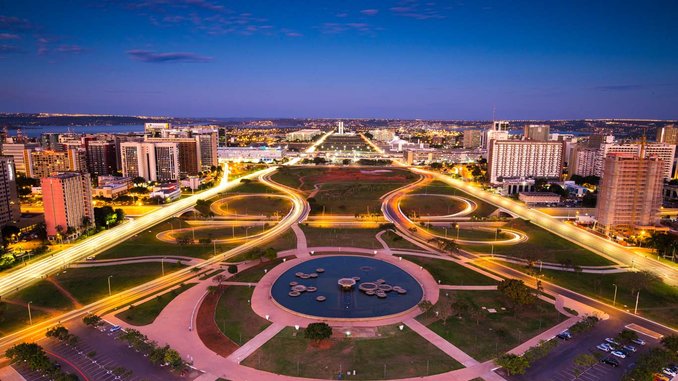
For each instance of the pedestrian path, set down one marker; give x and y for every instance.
(251, 346)
(467, 288)
(441, 343)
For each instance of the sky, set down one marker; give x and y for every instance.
(547, 59)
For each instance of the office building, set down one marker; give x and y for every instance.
(583, 161)
(50, 141)
(663, 151)
(382, 135)
(250, 154)
(157, 130)
(630, 192)
(511, 159)
(101, 159)
(207, 141)
(44, 163)
(596, 140)
(20, 152)
(154, 161)
(304, 135)
(667, 134)
(340, 127)
(10, 210)
(498, 131)
(473, 138)
(188, 159)
(67, 199)
(538, 132)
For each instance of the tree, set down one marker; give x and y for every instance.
(318, 332)
(670, 342)
(516, 292)
(513, 364)
(637, 281)
(582, 362)
(59, 332)
(232, 269)
(92, 320)
(270, 253)
(626, 336)
(173, 358)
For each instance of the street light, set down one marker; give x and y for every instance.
(635, 311)
(162, 265)
(614, 300)
(109, 285)
(30, 318)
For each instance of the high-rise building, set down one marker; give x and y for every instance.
(473, 138)
(340, 125)
(664, 151)
(583, 161)
(101, 160)
(667, 134)
(207, 141)
(188, 159)
(157, 130)
(21, 153)
(50, 140)
(515, 159)
(498, 131)
(596, 140)
(539, 132)
(10, 210)
(630, 192)
(382, 135)
(46, 162)
(121, 138)
(67, 198)
(154, 161)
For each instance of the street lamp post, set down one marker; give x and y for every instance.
(109, 285)
(635, 311)
(614, 299)
(30, 318)
(162, 265)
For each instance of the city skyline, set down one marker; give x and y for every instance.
(396, 59)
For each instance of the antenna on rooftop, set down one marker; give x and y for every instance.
(494, 111)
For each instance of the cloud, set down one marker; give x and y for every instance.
(293, 34)
(151, 56)
(335, 28)
(75, 49)
(14, 24)
(9, 36)
(417, 10)
(627, 87)
(369, 12)
(10, 49)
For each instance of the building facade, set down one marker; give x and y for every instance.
(67, 199)
(152, 161)
(513, 159)
(667, 134)
(10, 209)
(538, 132)
(101, 159)
(473, 139)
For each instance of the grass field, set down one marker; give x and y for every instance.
(470, 233)
(253, 186)
(145, 313)
(255, 273)
(235, 317)
(451, 273)
(546, 246)
(430, 205)
(341, 237)
(15, 317)
(490, 334)
(255, 205)
(395, 241)
(351, 198)
(394, 354)
(145, 243)
(90, 284)
(438, 187)
(44, 294)
(292, 176)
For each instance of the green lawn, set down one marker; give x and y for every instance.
(145, 313)
(255, 273)
(258, 205)
(218, 232)
(44, 294)
(430, 205)
(145, 243)
(395, 241)
(252, 186)
(658, 301)
(15, 317)
(451, 273)
(438, 187)
(471, 234)
(91, 283)
(291, 176)
(350, 198)
(490, 334)
(393, 354)
(353, 237)
(546, 246)
(235, 317)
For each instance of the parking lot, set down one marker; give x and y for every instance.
(559, 364)
(98, 356)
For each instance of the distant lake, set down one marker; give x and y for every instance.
(35, 131)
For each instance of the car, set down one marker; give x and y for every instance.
(638, 341)
(604, 347)
(115, 328)
(670, 372)
(565, 335)
(611, 341)
(629, 348)
(90, 258)
(619, 354)
(610, 361)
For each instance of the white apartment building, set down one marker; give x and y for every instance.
(153, 161)
(662, 151)
(510, 159)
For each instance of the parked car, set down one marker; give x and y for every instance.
(629, 348)
(638, 341)
(604, 347)
(115, 328)
(611, 341)
(610, 361)
(673, 372)
(619, 354)
(565, 335)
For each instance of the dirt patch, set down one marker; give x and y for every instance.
(207, 328)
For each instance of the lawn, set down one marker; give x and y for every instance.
(15, 317)
(351, 198)
(145, 243)
(353, 237)
(257, 205)
(546, 246)
(438, 187)
(430, 205)
(145, 313)
(391, 355)
(252, 186)
(218, 232)
(292, 176)
(658, 301)
(44, 294)
(254, 274)
(90, 284)
(235, 317)
(487, 335)
(395, 241)
(470, 234)
(451, 273)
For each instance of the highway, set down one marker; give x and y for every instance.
(298, 213)
(597, 244)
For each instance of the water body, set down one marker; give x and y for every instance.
(36, 131)
(347, 304)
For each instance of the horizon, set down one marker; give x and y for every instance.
(401, 59)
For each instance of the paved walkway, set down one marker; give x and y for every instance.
(441, 343)
(467, 288)
(383, 243)
(610, 269)
(302, 245)
(9, 374)
(65, 292)
(251, 346)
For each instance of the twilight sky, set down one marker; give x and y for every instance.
(545, 59)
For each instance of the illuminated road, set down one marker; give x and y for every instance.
(298, 213)
(600, 245)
